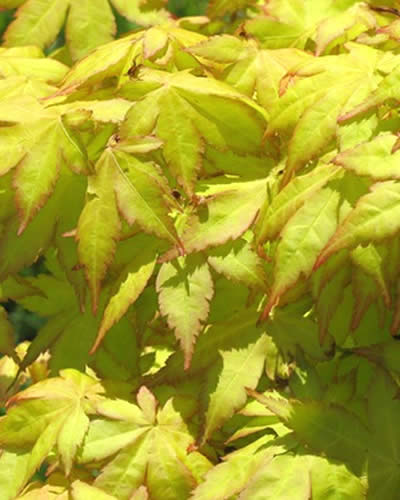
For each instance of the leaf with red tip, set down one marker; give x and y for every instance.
(142, 195)
(376, 216)
(185, 288)
(369, 283)
(183, 143)
(224, 216)
(131, 281)
(145, 446)
(374, 158)
(276, 213)
(191, 112)
(36, 174)
(99, 227)
(246, 63)
(50, 413)
(302, 239)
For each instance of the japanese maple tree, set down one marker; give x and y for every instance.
(216, 203)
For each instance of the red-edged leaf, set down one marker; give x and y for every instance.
(99, 227)
(376, 216)
(185, 288)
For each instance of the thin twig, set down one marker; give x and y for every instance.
(386, 10)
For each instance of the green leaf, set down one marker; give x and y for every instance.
(291, 331)
(222, 7)
(230, 477)
(84, 491)
(140, 13)
(36, 175)
(327, 429)
(6, 336)
(90, 23)
(192, 113)
(372, 219)
(375, 159)
(142, 195)
(183, 142)
(99, 228)
(13, 63)
(245, 65)
(223, 216)
(369, 283)
(38, 20)
(239, 263)
(148, 448)
(276, 213)
(384, 442)
(130, 285)
(51, 412)
(293, 23)
(185, 288)
(302, 239)
(13, 471)
(241, 369)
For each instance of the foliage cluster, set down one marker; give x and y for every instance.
(216, 201)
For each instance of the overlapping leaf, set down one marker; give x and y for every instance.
(375, 159)
(308, 111)
(42, 20)
(328, 429)
(239, 263)
(70, 333)
(161, 47)
(245, 65)
(302, 239)
(147, 447)
(372, 219)
(293, 23)
(187, 112)
(50, 413)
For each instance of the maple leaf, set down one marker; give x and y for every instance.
(185, 288)
(51, 413)
(302, 239)
(309, 109)
(277, 212)
(6, 336)
(309, 420)
(147, 447)
(31, 63)
(292, 23)
(42, 150)
(186, 113)
(219, 220)
(98, 227)
(239, 263)
(131, 282)
(232, 350)
(244, 65)
(62, 333)
(42, 20)
(374, 158)
(161, 47)
(268, 468)
(142, 195)
(372, 219)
